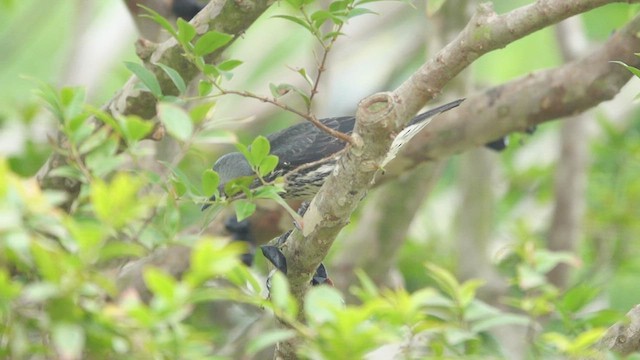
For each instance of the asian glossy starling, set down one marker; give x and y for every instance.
(186, 9)
(307, 155)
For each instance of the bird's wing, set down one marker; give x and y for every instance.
(304, 143)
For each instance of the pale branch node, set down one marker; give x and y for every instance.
(623, 337)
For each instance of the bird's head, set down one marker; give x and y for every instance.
(230, 167)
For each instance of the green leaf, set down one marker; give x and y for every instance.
(211, 70)
(186, 31)
(244, 209)
(586, 340)
(468, 290)
(295, 3)
(578, 297)
(50, 95)
(210, 181)
(89, 236)
(305, 76)
(176, 121)
(121, 250)
(67, 172)
(103, 160)
(271, 192)
(211, 258)
(633, 70)
(175, 77)
(93, 141)
(182, 179)
(72, 101)
(201, 111)
(433, 6)
(445, 280)
(339, 6)
(245, 151)
(298, 4)
(267, 165)
(204, 87)
(276, 91)
(36, 292)
(260, 148)
(229, 65)
(210, 42)
(47, 263)
(160, 283)
(237, 185)
(225, 68)
(360, 11)
(117, 203)
(331, 35)
(281, 295)
(320, 17)
(499, 319)
(9, 289)
(297, 20)
(68, 339)
(560, 341)
(153, 15)
(267, 339)
(283, 89)
(80, 133)
(322, 303)
(147, 77)
(135, 128)
(216, 136)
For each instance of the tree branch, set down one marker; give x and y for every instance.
(502, 109)
(624, 336)
(382, 228)
(227, 16)
(383, 114)
(550, 94)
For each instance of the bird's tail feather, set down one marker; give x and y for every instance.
(435, 111)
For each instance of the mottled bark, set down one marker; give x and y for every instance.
(382, 228)
(623, 337)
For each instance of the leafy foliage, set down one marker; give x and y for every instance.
(59, 297)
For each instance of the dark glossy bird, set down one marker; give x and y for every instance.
(307, 155)
(186, 9)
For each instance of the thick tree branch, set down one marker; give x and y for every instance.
(227, 16)
(531, 100)
(486, 31)
(383, 114)
(382, 228)
(503, 109)
(623, 337)
(326, 213)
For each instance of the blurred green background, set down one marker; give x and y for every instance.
(85, 42)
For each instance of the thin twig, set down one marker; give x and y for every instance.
(309, 117)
